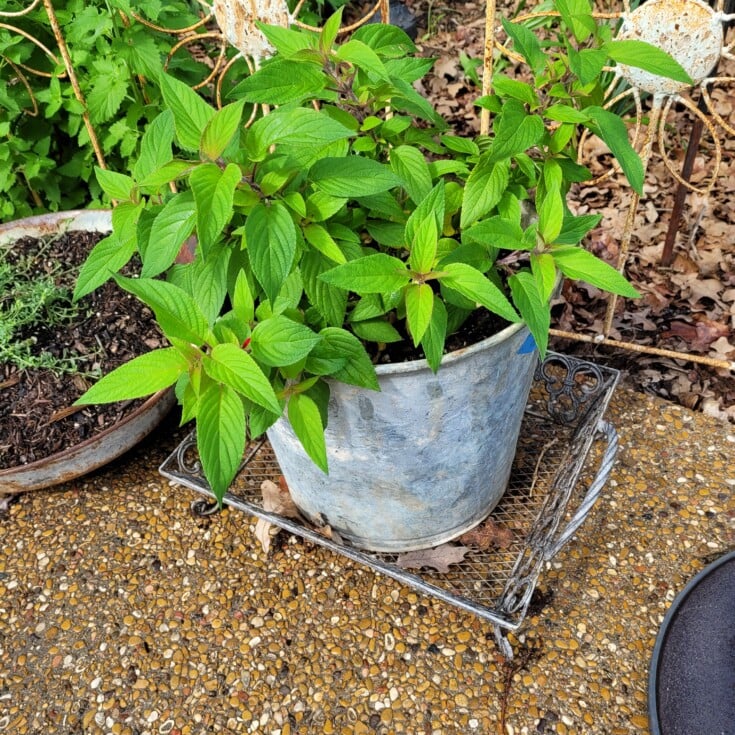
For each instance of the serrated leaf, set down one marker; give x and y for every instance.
(581, 265)
(214, 191)
(191, 113)
(587, 64)
(109, 87)
(646, 56)
(387, 40)
(376, 330)
(220, 130)
(358, 369)
(107, 257)
(330, 302)
(409, 164)
(473, 285)
(220, 435)
(497, 232)
(614, 133)
(271, 242)
(171, 227)
(577, 15)
(280, 82)
(545, 273)
(155, 146)
(141, 376)
(435, 335)
(424, 245)
(534, 309)
(288, 41)
(280, 341)
(515, 89)
(363, 57)
(242, 299)
(319, 238)
(306, 421)
(484, 189)
(515, 131)
(379, 273)
(208, 285)
(419, 307)
(352, 176)
(176, 312)
(230, 364)
(526, 44)
(115, 185)
(164, 175)
(303, 132)
(575, 228)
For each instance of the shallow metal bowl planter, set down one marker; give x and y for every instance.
(98, 450)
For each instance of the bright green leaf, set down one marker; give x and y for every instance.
(141, 376)
(171, 227)
(271, 242)
(306, 421)
(214, 191)
(280, 341)
(176, 312)
(473, 285)
(230, 364)
(191, 113)
(220, 435)
(219, 131)
(352, 176)
(581, 265)
(646, 56)
(419, 307)
(379, 273)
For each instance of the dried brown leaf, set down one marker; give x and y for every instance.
(488, 534)
(276, 499)
(439, 558)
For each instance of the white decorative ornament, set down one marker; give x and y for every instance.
(689, 30)
(237, 18)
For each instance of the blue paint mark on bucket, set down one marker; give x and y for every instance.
(528, 346)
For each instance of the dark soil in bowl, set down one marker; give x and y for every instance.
(37, 418)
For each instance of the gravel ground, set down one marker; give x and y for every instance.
(122, 613)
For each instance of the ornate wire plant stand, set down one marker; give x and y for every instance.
(563, 420)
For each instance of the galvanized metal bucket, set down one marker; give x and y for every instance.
(426, 458)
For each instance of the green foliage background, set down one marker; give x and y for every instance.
(46, 159)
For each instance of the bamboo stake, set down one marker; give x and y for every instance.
(686, 356)
(633, 209)
(487, 66)
(61, 43)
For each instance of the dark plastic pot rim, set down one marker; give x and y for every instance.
(676, 607)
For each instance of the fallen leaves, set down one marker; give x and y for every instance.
(439, 558)
(276, 499)
(487, 535)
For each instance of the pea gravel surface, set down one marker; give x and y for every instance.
(121, 612)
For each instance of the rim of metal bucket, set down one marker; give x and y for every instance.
(460, 354)
(673, 611)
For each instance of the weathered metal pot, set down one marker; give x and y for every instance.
(426, 458)
(109, 444)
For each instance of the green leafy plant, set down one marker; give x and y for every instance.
(46, 156)
(332, 227)
(29, 303)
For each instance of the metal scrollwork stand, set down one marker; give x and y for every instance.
(563, 421)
